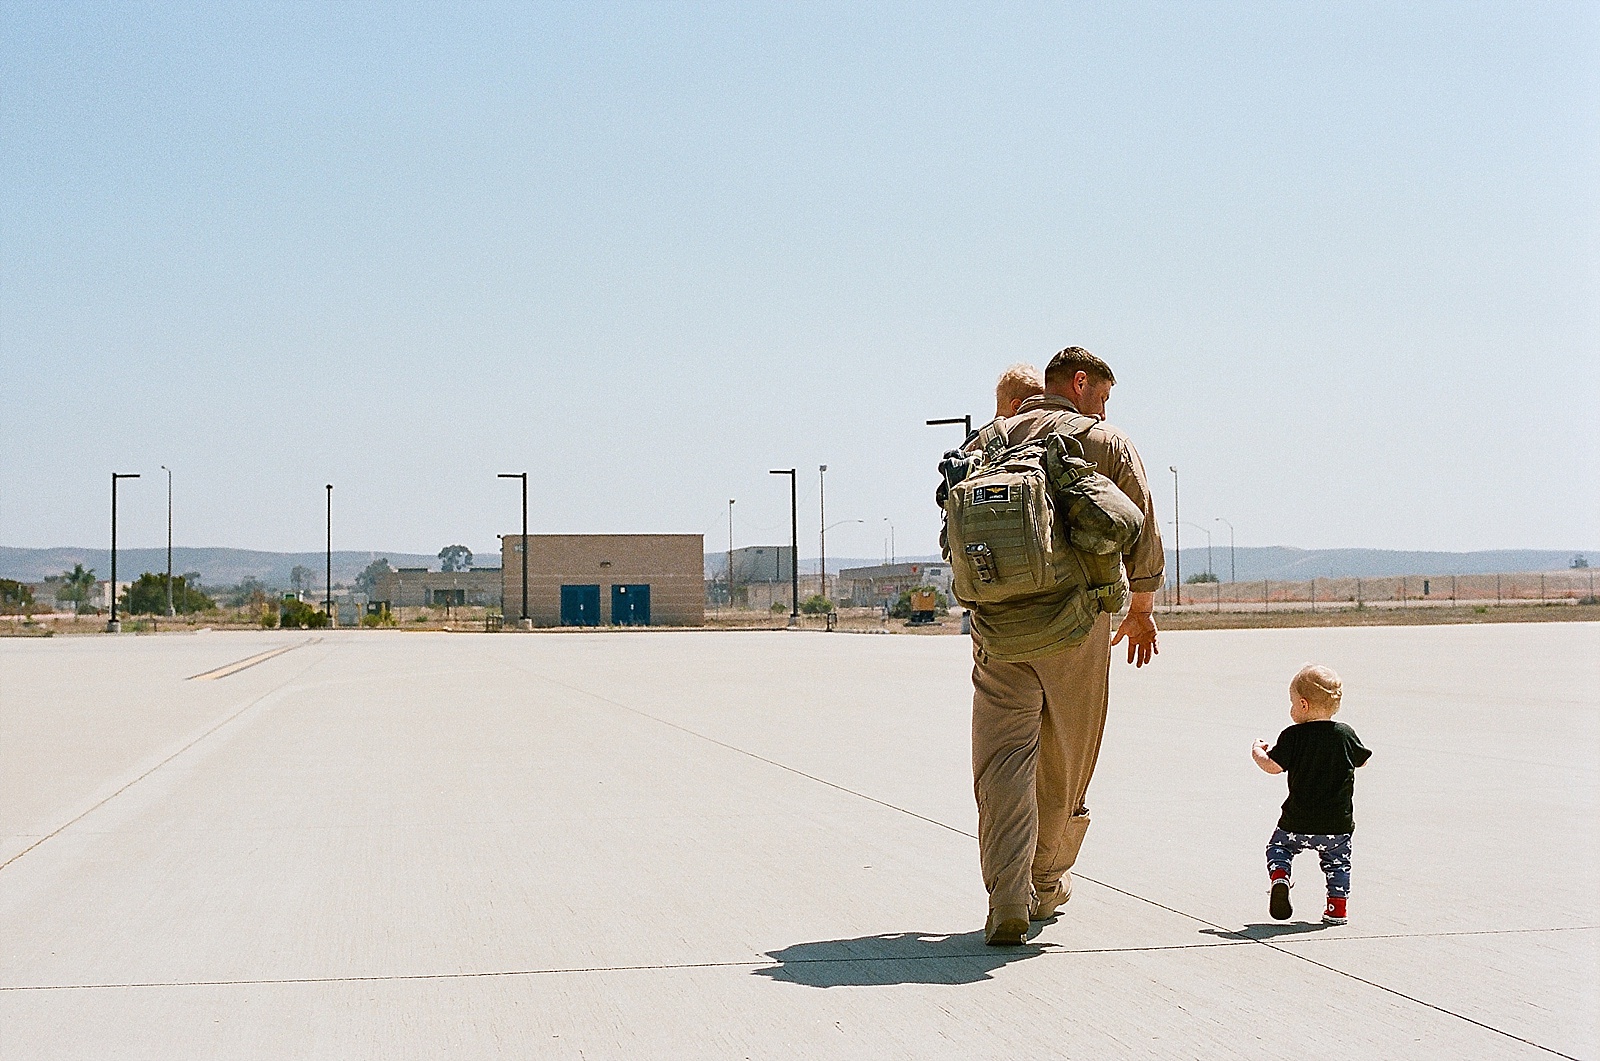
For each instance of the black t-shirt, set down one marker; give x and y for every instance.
(1321, 759)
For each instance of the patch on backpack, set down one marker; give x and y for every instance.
(986, 495)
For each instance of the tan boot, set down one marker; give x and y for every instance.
(1007, 926)
(1047, 903)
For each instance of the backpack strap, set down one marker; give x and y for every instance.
(991, 438)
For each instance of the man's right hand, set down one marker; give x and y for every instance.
(1139, 627)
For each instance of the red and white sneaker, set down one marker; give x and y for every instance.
(1335, 913)
(1279, 906)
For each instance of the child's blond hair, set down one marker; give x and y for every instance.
(1016, 383)
(1319, 686)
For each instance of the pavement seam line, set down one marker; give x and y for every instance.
(747, 752)
(1038, 949)
(70, 823)
(250, 661)
(962, 832)
(1276, 948)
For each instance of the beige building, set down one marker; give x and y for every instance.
(607, 579)
(885, 582)
(417, 587)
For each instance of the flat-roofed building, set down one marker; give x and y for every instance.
(872, 585)
(418, 587)
(607, 579)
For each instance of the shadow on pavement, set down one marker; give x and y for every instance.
(895, 958)
(1269, 930)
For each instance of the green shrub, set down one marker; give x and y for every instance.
(297, 614)
(269, 617)
(1204, 576)
(778, 607)
(378, 620)
(816, 604)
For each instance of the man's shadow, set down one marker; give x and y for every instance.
(1270, 930)
(895, 958)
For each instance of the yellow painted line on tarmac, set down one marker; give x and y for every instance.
(251, 661)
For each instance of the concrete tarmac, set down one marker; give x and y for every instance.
(726, 845)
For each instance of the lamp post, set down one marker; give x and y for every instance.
(964, 421)
(1177, 537)
(113, 626)
(822, 521)
(730, 551)
(327, 575)
(1233, 572)
(522, 620)
(890, 522)
(825, 531)
(170, 611)
(794, 543)
(1207, 532)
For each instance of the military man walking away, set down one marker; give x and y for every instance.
(1041, 664)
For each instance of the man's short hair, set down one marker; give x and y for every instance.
(1074, 359)
(1016, 383)
(1319, 686)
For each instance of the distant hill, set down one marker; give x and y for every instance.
(225, 567)
(1281, 563)
(1286, 564)
(217, 567)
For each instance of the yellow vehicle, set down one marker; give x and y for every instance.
(924, 605)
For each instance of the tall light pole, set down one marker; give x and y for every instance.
(1177, 537)
(822, 522)
(327, 574)
(523, 618)
(170, 611)
(825, 531)
(1233, 572)
(890, 522)
(730, 551)
(1207, 532)
(964, 421)
(112, 625)
(794, 543)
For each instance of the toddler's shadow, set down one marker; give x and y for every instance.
(1269, 930)
(895, 958)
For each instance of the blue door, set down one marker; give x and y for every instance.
(630, 605)
(580, 605)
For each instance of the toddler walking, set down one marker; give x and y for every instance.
(1320, 756)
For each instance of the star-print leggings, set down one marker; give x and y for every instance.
(1333, 849)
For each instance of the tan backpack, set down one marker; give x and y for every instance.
(1038, 518)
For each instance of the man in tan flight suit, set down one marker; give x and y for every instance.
(1037, 722)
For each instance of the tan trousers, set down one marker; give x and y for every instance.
(1036, 730)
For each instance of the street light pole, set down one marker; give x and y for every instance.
(794, 543)
(1206, 531)
(170, 611)
(890, 522)
(730, 551)
(822, 521)
(112, 625)
(523, 619)
(1233, 572)
(327, 574)
(1177, 535)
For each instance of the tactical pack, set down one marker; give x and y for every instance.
(1036, 518)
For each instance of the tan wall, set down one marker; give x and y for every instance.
(672, 565)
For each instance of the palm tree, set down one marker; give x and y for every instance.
(80, 583)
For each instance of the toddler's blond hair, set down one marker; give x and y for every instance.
(1319, 686)
(1016, 383)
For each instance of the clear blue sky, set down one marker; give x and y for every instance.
(1345, 259)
